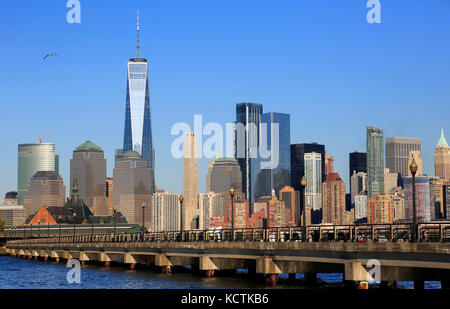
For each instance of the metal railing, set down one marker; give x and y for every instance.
(428, 232)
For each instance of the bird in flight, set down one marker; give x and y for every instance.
(50, 55)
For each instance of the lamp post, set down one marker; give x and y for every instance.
(232, 213)
(60, 219)
(143, 223)
(303, 183)
(413, 169)
(114, 221)
(74, 219)
(92, 224)
(181, 216)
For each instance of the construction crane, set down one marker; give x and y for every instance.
(43, 136)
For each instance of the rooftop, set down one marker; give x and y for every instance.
(442, 141)
(88, 145)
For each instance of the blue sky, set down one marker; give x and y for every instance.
(318, 60)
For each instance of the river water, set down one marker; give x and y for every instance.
(30, 274)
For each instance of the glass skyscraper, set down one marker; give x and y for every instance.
(33, 158)
(247, 126)
(138, 125)
(280, 175)
(375, 161)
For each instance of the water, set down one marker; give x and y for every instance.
(30, 274)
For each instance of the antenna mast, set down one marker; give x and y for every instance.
(137, 34)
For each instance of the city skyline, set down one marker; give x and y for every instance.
(107, 131)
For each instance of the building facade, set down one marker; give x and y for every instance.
(210, 205)
(165, 212)
(422, 198)
(291, 199)
(247, 142)
(313, 176)
(398, 153)
(442, 158)
(88, 166)
(33, 158)
(358, 185)
(357, 162)
(190, 180)
(390, 180)
(45, 188)
(379, 210)
(333, 200)
(375, 161)
(360, 207)
(132, 187)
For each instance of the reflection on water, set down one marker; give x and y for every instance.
(30, 274)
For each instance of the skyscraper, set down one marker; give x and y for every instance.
(333, 200)
(423, 204)
(358, 185)
(88, 166)
(329, 164)
(132, 186)
(33, 158)
(278, 143)
(190, 180)
(375, 161)
(417, 156)
(379, 209)
(224, 173)
(291, 199)
(442, 158)
(210, 205)
(357, 162)
(397, 153)
(390, 180)
(247, 130)
(45, 188)
(138, 125)
(165, 212)
(313, 176)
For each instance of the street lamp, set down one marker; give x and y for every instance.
(60, 219)
(232, 213)
(303, 183)
(92, 225)
(74, 219)
(181, 217)
(143, 224)
(413, 169)
(114, 221)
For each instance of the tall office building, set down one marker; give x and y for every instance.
(398, 203)
(446, 200)
(291, 199)
(88, 166)
(313, 176)
(224, 173)
(210, 205)
(360, 207)
(375, 161)
(357, 162)
(165, 212)
(390, 180)
(45, 188)
(278, 144)
(132, 186)
(417, 157)
(379, 209)
(247, 142)
(33, 158)
(329, 164)
(422, 198)
(358, 185)
(333, 204)
(442, 158)
(437, 197)
(138, 125)
(190, 180)
(397, 153)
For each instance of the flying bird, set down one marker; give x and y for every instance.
(50, 55)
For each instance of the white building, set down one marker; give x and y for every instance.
(211, 205)
(360, 207)
(165, 212)
(313, 175)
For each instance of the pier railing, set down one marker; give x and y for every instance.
(428, 232)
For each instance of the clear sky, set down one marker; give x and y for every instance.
(318, 60)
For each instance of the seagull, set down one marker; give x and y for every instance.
(50, 55)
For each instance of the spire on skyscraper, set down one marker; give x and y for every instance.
(442, 141)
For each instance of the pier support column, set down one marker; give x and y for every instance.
(36, 257)
(271, 280)
(107, 264)
(46, 258)
(310, 278)
(419, 284)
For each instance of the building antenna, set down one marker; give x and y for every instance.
(137, 34)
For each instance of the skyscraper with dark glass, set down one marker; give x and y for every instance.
(298, 161)
(278, 127)
(138, 125)
(247, 129)
(357, 162)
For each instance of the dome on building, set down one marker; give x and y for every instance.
(88, 145)
(131, 154)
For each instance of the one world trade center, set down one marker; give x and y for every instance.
(138, 125)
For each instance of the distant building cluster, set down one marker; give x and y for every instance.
(380, 184)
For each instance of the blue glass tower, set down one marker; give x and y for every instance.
(138, 125)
